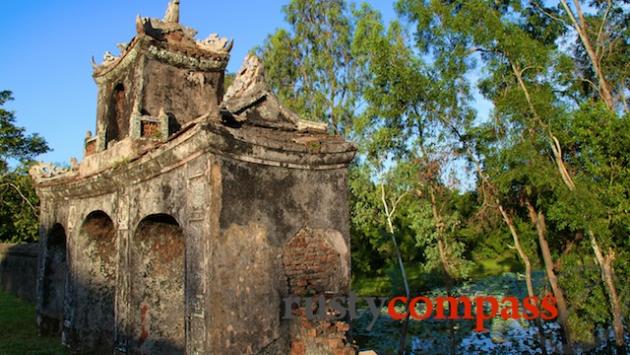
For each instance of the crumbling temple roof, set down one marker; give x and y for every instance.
(248, 114)
(249, 99)
(167, 37)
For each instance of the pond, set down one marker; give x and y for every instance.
(432, 336)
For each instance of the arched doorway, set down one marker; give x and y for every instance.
(96, 283)
(55, 270)
(157, 291)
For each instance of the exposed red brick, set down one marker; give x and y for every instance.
(310, 263)
(343, 326)
(90, 148)
(298, 348)
(335, 343)
(150, 129)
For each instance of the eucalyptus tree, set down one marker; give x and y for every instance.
(475, 27)
(448, 107)
(311, 66)
(411, 104)
(525, 67)
(402, 121)
(602, 60)
(601, 32)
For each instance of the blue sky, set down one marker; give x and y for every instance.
(46, 48)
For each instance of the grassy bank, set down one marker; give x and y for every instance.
(18, 333)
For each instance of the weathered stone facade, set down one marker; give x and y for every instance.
(193, 213)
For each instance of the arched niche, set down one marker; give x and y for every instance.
(55, 270)
(117, 117)
(96, 282)
(157, 292)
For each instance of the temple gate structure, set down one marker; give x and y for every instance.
(194, 212)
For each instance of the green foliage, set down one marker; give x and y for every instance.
(537, 87)
(421, 220)
(583, 283)
(311, 66)
(372, 249)
(18, 201)
(18, 207)
(369, 250)
(228, 80)
(14, 143)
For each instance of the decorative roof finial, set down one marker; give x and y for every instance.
(172, 12)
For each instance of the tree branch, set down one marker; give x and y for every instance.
(559, 19)
(17, 189)
(601, 28)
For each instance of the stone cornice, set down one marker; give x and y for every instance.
(180, 59)
(239, 144)
(143, 44)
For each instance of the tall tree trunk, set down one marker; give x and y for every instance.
(538, 219)
(444, 259)
(580, 27)
(515, 236)
(439, 226)
(607, 275)
(528, 269)
(554, 144)
(389, 213)
(604, 261)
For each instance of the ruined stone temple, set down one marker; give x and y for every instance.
(194, 212)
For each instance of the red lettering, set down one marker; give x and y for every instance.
(530, 304)
(549, 305)
(512, 311)
(391, 308)
(509, 308)
(453, 306)
(427, 312)
(479, 311)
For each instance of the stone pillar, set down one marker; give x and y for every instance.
(69, 333)
(135, 129)
(122, 311)
(196, 230)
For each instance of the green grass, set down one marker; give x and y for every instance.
(491, 267)
(420, 280)
(365, 287)
(18, 332)
(382, 285)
